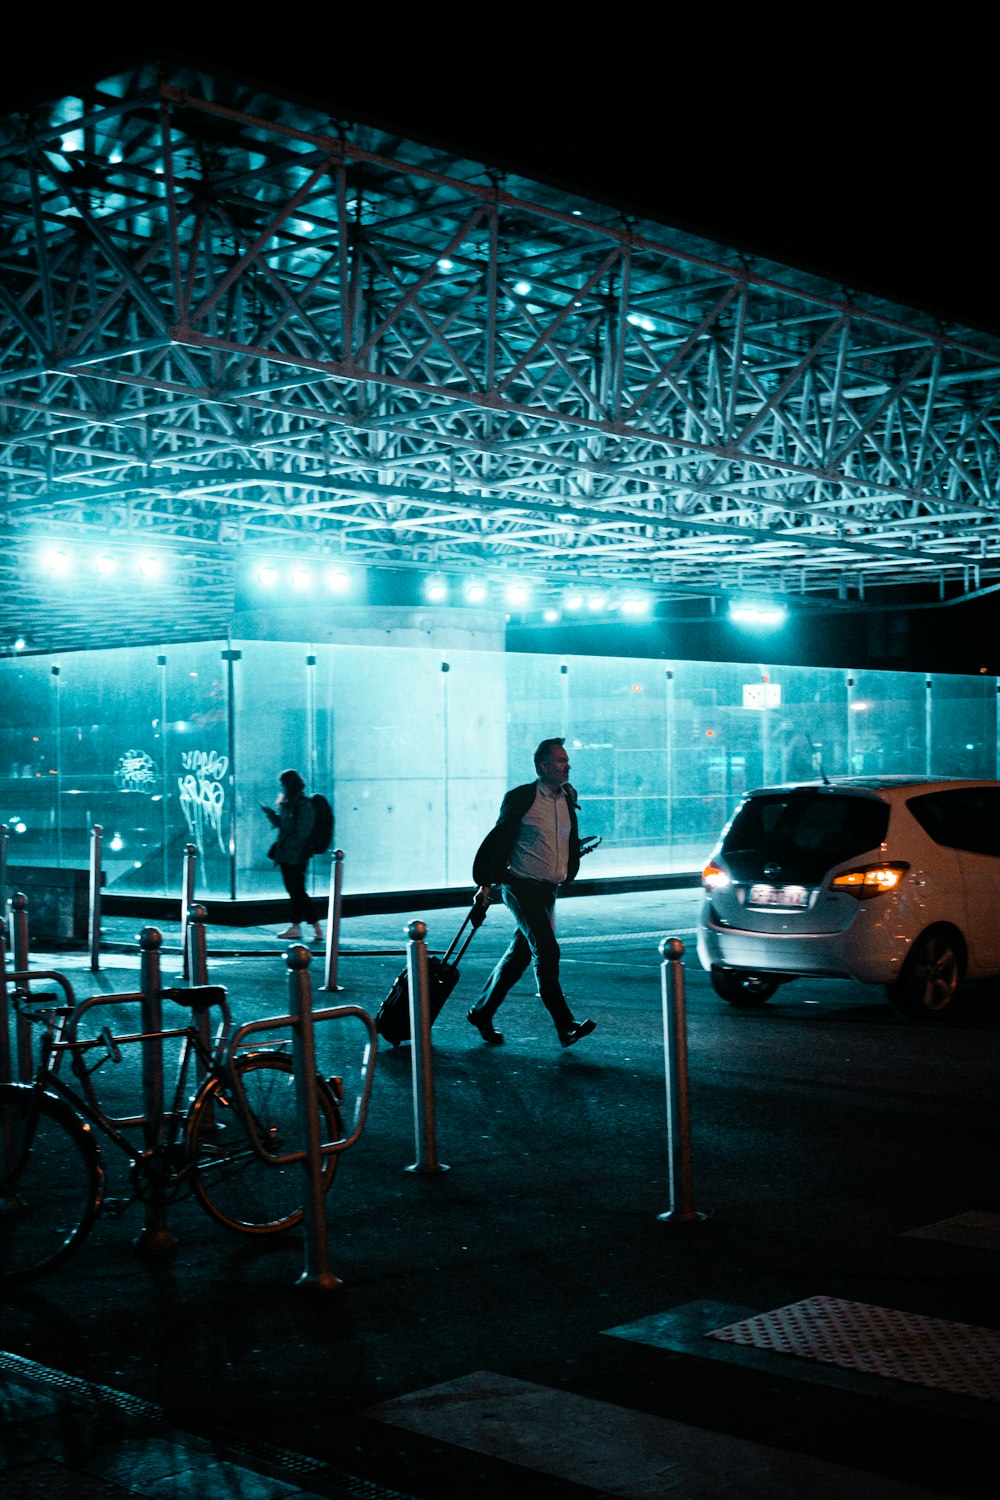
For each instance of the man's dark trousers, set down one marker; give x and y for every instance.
(531, 903)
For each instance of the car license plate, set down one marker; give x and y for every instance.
(778, 895)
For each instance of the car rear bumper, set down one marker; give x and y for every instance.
(847, 954)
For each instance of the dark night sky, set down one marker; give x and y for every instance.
(867, 157)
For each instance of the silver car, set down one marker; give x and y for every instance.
(889, 880)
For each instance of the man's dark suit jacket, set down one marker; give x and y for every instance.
(493, 856)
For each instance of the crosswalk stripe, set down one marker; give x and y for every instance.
(614, 1449)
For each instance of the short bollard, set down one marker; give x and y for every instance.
(94, 908)
(421, 1056)
(20, 947)
(333, 922)
(155, 1235)
(6, 1056)
(187, 901)
(682, 1209)
(316, 1275)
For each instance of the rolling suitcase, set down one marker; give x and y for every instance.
(392, 1019)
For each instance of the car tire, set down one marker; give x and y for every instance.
(929, 984)
(740, 987)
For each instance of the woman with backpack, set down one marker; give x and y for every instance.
(295, 821)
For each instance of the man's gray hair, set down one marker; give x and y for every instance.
(545, 750)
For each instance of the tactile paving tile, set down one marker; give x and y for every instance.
(879, 1341)
(980, 1230)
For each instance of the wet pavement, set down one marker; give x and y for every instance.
(527, 1320)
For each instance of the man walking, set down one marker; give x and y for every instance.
(533, 849)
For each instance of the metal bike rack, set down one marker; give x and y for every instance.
(21, 979)
(682, 1209)
(301, 1020)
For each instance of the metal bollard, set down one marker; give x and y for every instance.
(187, 901)
(333, 922)
(421, 1055)
(682, 1209)
(94, 914)
(20, 947)
(155, 1235)
(197, 950)
(316, 1275)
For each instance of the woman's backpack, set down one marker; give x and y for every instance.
(322, 830)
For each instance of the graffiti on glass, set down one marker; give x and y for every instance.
(135, 772)
(202, 795)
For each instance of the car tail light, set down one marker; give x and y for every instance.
(870, 880)
(714, 877)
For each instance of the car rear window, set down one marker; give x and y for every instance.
(805, 831)
(966, 818)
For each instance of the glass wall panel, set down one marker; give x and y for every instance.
(963, 727)
(385, 712)
(415, 748)
(131, 740)
(274, 731)
(887, 724)
(30, 749)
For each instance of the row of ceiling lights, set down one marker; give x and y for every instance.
(64, 562)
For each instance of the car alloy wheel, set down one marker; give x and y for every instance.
(928, 986)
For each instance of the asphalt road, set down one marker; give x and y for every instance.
(825, 1130)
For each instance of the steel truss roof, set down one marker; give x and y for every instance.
(228, 323)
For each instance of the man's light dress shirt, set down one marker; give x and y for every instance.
(542, 848)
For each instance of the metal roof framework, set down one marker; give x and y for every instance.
(230, 325)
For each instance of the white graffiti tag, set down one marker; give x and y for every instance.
(202, 794)
(134, 772)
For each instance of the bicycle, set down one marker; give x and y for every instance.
(227, 1144)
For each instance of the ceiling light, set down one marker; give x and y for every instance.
(337, 581)
(758, 616)
(57, 560)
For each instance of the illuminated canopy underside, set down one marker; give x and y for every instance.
(228, 324)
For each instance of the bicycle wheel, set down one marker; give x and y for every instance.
(231, 1182)
(51, 1182)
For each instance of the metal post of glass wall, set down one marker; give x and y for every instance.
(564, 707)
(311, 761)
(445, 669)
(231, 657)
(161, 669)
(850, 723)
(928, 722)
(670, 766)
(57, 731)
(765, 727)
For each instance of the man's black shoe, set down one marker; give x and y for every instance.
(481, 1021)
(575, 1032)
